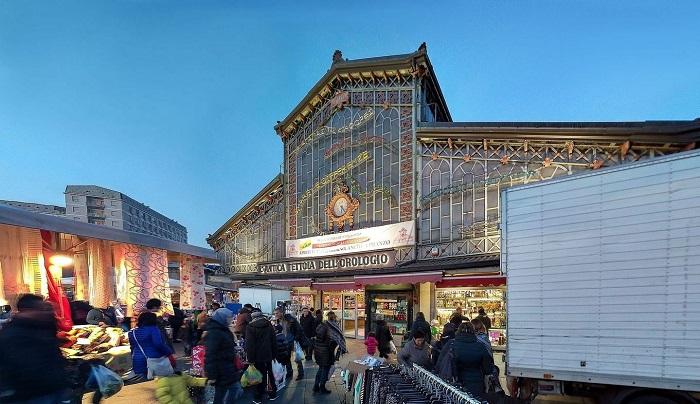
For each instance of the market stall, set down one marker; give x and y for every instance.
(90, 342)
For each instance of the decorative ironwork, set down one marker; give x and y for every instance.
(461, 182)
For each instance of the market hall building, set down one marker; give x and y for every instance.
(386, 206)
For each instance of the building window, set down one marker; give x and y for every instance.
(114, 203)
(76, 209)
(115, 223)
(75, 199)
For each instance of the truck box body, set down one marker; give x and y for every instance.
(603, 275)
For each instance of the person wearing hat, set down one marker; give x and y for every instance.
(261, 349)
(484, 318)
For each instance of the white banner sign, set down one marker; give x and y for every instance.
(369, 239)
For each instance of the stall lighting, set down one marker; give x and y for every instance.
(56, 271)
(61, 259)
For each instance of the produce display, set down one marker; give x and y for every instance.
(91, 339)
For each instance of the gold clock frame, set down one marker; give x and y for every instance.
(349, 215)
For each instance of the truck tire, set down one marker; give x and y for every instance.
(651, 399)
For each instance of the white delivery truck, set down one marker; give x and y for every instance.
(603, 275)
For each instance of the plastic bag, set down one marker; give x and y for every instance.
(198, 353)
(393, 347)
(251, 377)
(298, 352)
(280, 374)
(104, 380)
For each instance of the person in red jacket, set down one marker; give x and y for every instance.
(372, 343)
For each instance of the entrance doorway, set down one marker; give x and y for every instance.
(350, 308)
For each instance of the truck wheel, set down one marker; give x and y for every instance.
(651, 399)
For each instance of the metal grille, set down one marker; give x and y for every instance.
(461, 182)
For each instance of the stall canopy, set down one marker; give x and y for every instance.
(333, 286)
(108, 263)
(290, 283)
(471, 281)
(389, 279)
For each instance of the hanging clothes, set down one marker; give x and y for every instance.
(100, 273)
(192, 295)
(146, 276)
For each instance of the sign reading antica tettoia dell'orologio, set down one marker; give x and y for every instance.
(378, 259)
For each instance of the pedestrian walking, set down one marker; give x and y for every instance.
(261, 349)
(472, 360)
(308, 325)
(147, 342)
(176, 322)
(242, 320)
(220, 358)
(420, 324)
(293, 332)
(384, 339)
(329, 344)
(32, 368)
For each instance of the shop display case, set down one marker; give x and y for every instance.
(470, 299)
(394, 308)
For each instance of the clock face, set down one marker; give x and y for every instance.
(340, 207)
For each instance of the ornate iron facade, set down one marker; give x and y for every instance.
(461, 181)
(366, 143)
(257, 236)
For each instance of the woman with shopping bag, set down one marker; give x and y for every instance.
(220, 358)
(261, 349)
(148, 349)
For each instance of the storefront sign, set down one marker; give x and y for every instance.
(369, 239)
(379, 259)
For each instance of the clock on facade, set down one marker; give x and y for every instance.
(341, 210)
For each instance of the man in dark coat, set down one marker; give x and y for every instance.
(384, 339)
(324, 352)
(421, 325)
(220, 358)
(261, 349)
(484, 318)
(31, 364)
(308, 324)
(177, 321)
(293, 332)
(472, 360)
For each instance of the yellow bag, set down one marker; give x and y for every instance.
(251, 377)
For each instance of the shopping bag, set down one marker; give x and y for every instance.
(159, 367)
(280, 374)
(251, 377)
(298, 352)
(198, 360)
(104, 380)
(393, 347)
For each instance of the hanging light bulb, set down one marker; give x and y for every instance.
(61, 259)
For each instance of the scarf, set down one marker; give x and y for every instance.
(337, 336)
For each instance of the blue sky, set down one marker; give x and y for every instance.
(174, 102)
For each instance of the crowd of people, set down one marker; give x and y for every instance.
(33, 370)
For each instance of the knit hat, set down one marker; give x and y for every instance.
(256, 313)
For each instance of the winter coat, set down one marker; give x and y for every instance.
(324, 346)
(472, 362)
(150, 340)
(450, 329)
(484, 339)
(384, 338)
(295, 332)
(283, 348)
(371, 343)
(308, 325)
(422, 325)
(31, 364)
(439, 346)
(485, 320)
(420, 355)
(220, 355)
(260, 342)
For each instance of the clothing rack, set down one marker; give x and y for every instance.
(430, 380)
(396, 385)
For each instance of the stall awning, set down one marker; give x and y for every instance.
(471, 281)
(408, 277)
(290, 283)
(333, 286)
